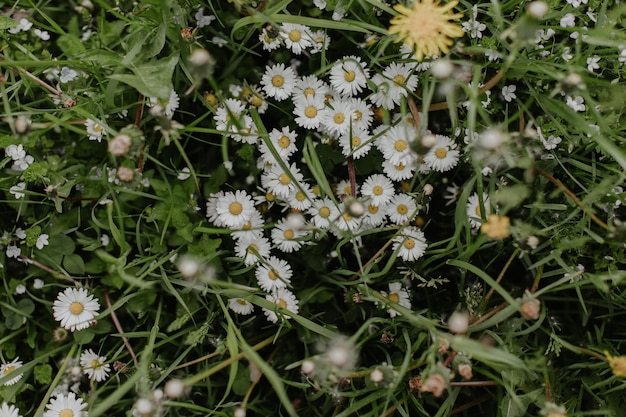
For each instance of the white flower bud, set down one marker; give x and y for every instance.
(22, 124)
(428, 141)
(199, 57)
(532, 242)
(458, 322)
(442, 69)
(377, 375)
(144, 406)
(174, 388)
(188, 266)
(537, 9)
(428, 189)
(240, 412)
(491, 139)
(308, 366)
(120, 145)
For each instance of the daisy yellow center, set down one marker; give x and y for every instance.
(310, 112)
(346, 217)
(399, 79)
(426, 27)
(393, 297)
(316, 190)
(66, 413)
(247, 226)
(9, 369)
(441, 153)
(377, 190)
(400, 145)
(256, 101)
(356, 141)
(95, 364)
(309, 92)
(324, 212)
(97, 128)
(246, 92)
(409, 243)
(372, 209)
(267, 39)
(339, 118)
(288, 234)
(349, 76)
(477, 211)
(300, 196)
(235, 208)
(278, 80)
(253, 248)
(241, 302)
(358, 115)
(76, 308)
(282, 303)
(269, 197)
(272, 274)
(402, 209)
(284, 142)
(295, 36)
(400, 167)
(284, 179)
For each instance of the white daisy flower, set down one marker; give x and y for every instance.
(379, 189)
(167, 106)
(356, 142)
(75, 308)
(302, 198)
(344, 189)
(363, 113)
(240, 306)
(278, 82)
(411, 243)
(395, 144)
(251, 248)
(7, 410)
(286, 238)
(401, 82)
(309, 86)
(95, 130)
(284, 142)
(279, 182)
(374, 215)
(401, 209)
(473, 210)
(94, 366)
(308, 111)
(443, 156)
(346, 222)
(235, 209)
(399, 172)
(349, 76)
(338, 118)
(297, 37)
(211, 209)
(8, 368)
(324, 212)
(381, 96)
(398, 295)
(269, 43)
(229, 116)
(66, 406)
(320, 40)
(273, 274)
(284, 299)
(252, 228)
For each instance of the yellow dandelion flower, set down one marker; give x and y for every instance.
(618, 364)
(496, 227)
(426, 27)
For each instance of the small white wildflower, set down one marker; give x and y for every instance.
(67, 75)
(13, 251)
(20, 289)
(42, 241)
(23, 25)
(42, 34)
(508, 92)
(38, 284)
(16, 190)
(568, 20)
(592, 63)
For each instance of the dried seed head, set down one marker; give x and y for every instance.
(465, 370)
(125, 174)
(537, 9)
(435, 383)
(120, 144)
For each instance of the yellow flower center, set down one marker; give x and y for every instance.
(399, 79)
(76, 308)
(235, 208)
(357, 115)
(356, 141)
(284, 142)
(269, 197)
(409, 243)
(377, 190)
(278, 81)
(393, 297)
(402, 209)
(288, 234)
(399, 167)
(295, 35)
(349, 76)
(310, 112)
(477, 211)
(346, 217)
(247, 226)
(253, 248)
(372, 209)
(256, 101)
(272, 274)
(242, 302)
(441, 153)
(9, 369)
(400, 145)
(300, 196)
(309, 92)
(66, 413)
(339, 118)
(316, 190)
(324, 212)
(284, 179)
(282, 303)
(95, 364)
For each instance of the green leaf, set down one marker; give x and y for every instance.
(43, 374)
(70, 45)
(83, 337)
(7, 23)
(153, 79)
(74, 264)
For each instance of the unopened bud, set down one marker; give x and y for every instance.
(428, 141)
(308, 366)
(465, 370)
(377, 375)
(22, 125)
(537, 9)
(491, 139)
(199, 57)
(119, 145)
(240, 412)
(355, 208)
(144, 406)
(174, 388)
(428, 189)
(442, 69)
(458, 322)
(532, 242)
(531, 307)
(125, 174)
